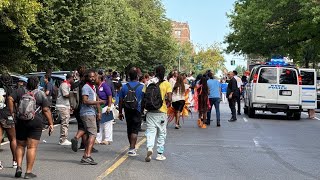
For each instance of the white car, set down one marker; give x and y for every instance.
(274, 88)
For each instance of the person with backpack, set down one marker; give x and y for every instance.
(30, 102)
(64, 108)
(75, 103)
(7, 123)
(130, 100)
(157, 95)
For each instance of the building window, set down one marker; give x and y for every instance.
(233, 62)
(177, 33)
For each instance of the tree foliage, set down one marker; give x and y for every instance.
(210, 58)
(274, 27)
(15, 42)
(99, 33)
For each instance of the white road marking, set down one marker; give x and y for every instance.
(245, 119)
(314, 117)
(256, 142)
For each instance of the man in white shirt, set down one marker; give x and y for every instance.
(239, 84)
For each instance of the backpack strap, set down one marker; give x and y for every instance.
(129, 87)
(133, 89)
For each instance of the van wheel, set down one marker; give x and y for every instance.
(245, 109)
(251, 112)
(289, 115)
(297, 115)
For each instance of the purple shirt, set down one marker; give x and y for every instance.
(104, 91)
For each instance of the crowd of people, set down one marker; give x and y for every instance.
(97, 98)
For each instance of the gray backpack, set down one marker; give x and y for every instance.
(28, 106)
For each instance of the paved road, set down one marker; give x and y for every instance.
(266, 147)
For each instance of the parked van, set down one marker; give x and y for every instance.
(274, 87)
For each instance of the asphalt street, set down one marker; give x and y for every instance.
(265, 147)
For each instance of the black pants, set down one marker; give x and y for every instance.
(239, 102)
(232, 105)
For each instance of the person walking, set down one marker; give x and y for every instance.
(63, 107)
(130, 100)
(157, 119)
(232, 94)
(239, 84)
(29, 128)
(173, 79)
(224, 87)
(81, 133)
(7, 123)
(203, 102)
(106, 124)
(214, 98)
(90, 112)
(178, 99)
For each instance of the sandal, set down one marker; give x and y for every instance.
(200, 123)
(204, 126)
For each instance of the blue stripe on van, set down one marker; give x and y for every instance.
(308, 88)
(307, 101)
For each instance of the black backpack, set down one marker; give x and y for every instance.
(130, 100)
(152, 97)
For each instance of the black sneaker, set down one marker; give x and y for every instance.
(74, 144)
(29, 175)
(18, 172)
(88, 161)
(232, 120)
(82, 147)
(94, 150)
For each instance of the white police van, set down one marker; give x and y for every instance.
(274, 87)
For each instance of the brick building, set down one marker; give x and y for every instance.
(181, 31)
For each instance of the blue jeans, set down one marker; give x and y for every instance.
(156, 126)
(216, 103)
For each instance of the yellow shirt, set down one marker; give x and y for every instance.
(165, 87)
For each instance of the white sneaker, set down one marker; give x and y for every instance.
(65, 143)
(149, 155)
(132, 152)
(14, 164)
(161, 157)
(1, 167)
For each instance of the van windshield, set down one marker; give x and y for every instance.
(288, 76)
(268, 75)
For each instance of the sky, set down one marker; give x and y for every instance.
(207, 21)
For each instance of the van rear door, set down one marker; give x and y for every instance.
(289, 88)
(308, 88)
(267, 77)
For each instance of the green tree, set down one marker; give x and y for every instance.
(273, 27)
(15, 19)
(210, 58)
